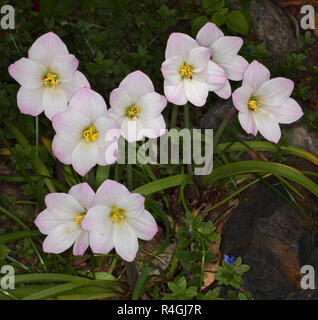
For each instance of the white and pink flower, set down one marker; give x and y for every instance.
(117, 219)
(62, 220)
(224, 52)
(48, 77)
(263, 103)
(137, 108)
(188, 72)
(84, 133)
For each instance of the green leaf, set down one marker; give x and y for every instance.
(213, 5)
(218, 19)
(17, 235)
(142, 282)
(236, 21)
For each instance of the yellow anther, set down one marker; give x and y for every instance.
(50, 79)
(132, 112)
(117, 215)
(78, 218)
(90, 134)
(186, 72)
(254, 104)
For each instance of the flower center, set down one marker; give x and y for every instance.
(78, 218)
(50, 79)
(132, 112)
(186, 72)
(90, 134)
(117, 214)
(253, 104)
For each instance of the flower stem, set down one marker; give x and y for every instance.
(187, 125)
(174, 116)
(132, 274)
(91, 178)
(129, 177)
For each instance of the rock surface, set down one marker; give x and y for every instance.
(272, 238)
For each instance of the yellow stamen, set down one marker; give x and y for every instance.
(117, 215)
(132, 112)
(254, 104)
(90, 134)
(186, 72)
(50, 79)
(78, 218)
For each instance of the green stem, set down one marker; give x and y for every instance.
(112, 266)
(174, 116)
(132, 274)
(187, 125)
(129, 177)
(91, 178)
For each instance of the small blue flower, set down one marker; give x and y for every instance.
(229, 259)
(248, 50)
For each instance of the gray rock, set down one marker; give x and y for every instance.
(272, 238)
(300, 137)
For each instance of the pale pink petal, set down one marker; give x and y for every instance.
(46, 222)
(98, 219)
(151, 105)
(214, 76)
(61, 238)
(153, 128)
(288, 112)
(70, 125)
(81, 244)
(199, 58)
(54, 102)
(106, 125)
(125, 241)
(247, 122)
(63, 149)
(226, 47)
(77, 81)
(84, 194)
(110, 192)
(101, 243)
(30, 101)
(179, 44)
(208, 34)
(143, 224)
(130, 129)
(63, 206)
(136, 85)
(255, 75)
(46, 48)
(89, 103)
(119, 101)
(175, 93)
(196, 91)
(241, 97)
(224, 92)
(84, 157)
(267, 125)
(65, 66)
(170, 69)
(27, 73)
(132, 202)
(275, 91)
(234, 68)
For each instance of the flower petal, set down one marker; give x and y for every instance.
(61, 238)
(151, 105)
(89, 103)
(255, 75)
(30, 101)
(143, 224)
(224, 92)
(119, 101)
(63, 206)
(132, 202)
(179, 44)
(247, 122)
(130, 129)
(267, 125)
(46, 48)
(110, 192)
(106, 126)
(81, 244)
(125, 241)
(199, 58)
(175, 93)
(241, 97)
(208, 34)
(101, 243)
(170, 69)
(54, 102)
(136, 85)
(84, 157)
(288, 112)
(226, 47)
(98, 220)
(27, 73)
(153, 128)
(63, 149)
(234, 68)
(214, 76)
(84, 194)
(46, 222)
(275, 91)
(65, 66)
(196, 91)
